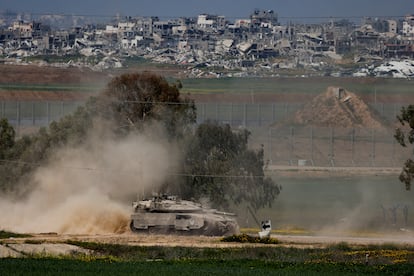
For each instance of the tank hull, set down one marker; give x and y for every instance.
(160, 216)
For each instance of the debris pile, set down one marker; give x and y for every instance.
(401, 69)
(338, 107)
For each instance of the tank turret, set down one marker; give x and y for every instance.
(168, 214)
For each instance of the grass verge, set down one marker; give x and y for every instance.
(189, 267)
(7, 235)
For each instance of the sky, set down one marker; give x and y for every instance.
(287, 9)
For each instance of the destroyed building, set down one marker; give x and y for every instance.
(257, 40)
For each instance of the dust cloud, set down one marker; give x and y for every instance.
(88, 189)
(337, 204)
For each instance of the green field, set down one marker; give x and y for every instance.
(297, 85)
(192, 267)
(85, 88)
(111, 259)
(311, 85)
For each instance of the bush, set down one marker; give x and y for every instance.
(244, 238)
(6, 235)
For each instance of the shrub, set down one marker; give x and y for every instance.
(244, 238)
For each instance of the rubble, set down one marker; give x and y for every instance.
(403, 69)
(258, 45)
(338, 107)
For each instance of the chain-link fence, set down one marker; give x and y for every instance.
(24, 114)
(266, 114)
(328, 146)
(284, 144)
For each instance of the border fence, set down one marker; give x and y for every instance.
(35, 113)
(266, 114)
(284, 145)
(330, 147)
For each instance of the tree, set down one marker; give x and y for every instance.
(29, 152)
(223, 169)
(129, 102)
(218, 164)
(405, 135)
(7, 136)
(134, 100)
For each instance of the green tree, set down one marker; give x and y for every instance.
(224, 170)
(129, 102)
(29, 152)
(218, 164)
(7, 140)
(135, 100)
(7, 136)
(405, 135)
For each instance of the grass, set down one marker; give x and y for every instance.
(61, 88)
(289, 85)
(53, 266)
(7, 235)
(336, 253)
(268, 85)
(245, 238)
(260, 259)
(71, 267)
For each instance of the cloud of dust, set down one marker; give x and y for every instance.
(89, 189)
(365, 214)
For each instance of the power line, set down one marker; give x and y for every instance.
(105, 170)
(153, 102)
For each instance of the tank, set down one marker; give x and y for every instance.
(168, 214)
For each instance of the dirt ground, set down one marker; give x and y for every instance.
(10, 74)
(54, 244)
(403, 238)
(43, 75)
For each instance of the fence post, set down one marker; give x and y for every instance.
(245, 115)
(353, 146)
(18, 114)
(373, 147)
(311, 136)
(332, 148)
(270, 146)
(291, 145)
(33, 114)
(203, 112)
(286, 109)
(48, 112)
(393, 152)
(62, 109)
(231, 113)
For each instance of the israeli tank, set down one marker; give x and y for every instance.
(168, 214)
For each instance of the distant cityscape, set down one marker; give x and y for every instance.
(213, 46)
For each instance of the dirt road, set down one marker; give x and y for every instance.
(54, 244)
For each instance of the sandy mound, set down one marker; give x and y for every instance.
(338, 108)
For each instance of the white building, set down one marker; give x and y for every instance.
(204, 21)
(408, 26)
(22, 29)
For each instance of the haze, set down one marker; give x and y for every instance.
(166, 8)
